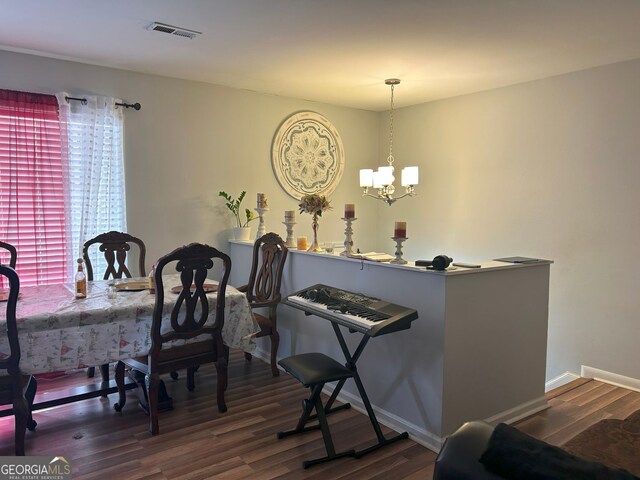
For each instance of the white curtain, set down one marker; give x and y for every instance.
(92, 138)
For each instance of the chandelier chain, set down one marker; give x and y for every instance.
(390, 159)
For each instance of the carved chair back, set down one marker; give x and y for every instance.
(14, 385)
(115, 246)
(189, 315)
(10, 363)
(269, 257)
(13, 254)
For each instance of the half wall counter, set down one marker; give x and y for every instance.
(477, 350)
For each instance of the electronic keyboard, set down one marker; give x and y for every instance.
(355, 311)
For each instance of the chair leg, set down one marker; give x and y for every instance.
(221, 367)
(104, 370)
(21, 416)
(191, 382)
(152, 381)
(91, 372)
(248, 356)
(275, 342)
(119, 377)
(30, 395)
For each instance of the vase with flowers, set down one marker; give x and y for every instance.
(314, 205)
(242, 231)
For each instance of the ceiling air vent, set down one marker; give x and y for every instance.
(171, 30)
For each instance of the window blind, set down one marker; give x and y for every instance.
(32, 186)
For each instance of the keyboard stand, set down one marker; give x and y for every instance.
(351, 365)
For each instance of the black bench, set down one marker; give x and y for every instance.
(313, 370)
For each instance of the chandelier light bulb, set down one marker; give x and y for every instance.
(377, 180)
(366, 177)
(386, 174)
(409, 176)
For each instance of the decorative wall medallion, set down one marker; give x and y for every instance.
(307, 155)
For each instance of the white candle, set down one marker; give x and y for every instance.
(262, 200)
(289, 215)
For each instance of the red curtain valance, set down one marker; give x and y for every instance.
(28, 97)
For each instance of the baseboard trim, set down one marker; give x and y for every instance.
(560, 380)
(520, 411)
(610, 378)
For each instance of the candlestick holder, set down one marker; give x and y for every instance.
(348, 232)
(291, 240)
(398, 260)
(261, 228)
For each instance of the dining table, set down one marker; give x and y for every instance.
(58, 332)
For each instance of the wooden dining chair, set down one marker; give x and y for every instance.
(115, 246)
(263, 289)
(187, 321)
(13, 254)
(13, 384)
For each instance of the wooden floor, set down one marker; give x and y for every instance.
(197, 442)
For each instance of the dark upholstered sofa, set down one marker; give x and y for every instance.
(608, 450)
(460, 455)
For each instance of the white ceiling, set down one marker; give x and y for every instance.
(335, 51)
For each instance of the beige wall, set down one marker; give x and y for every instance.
(191, 140)
(545, 169)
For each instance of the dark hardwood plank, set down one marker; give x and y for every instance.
(198, 442)
(556, 392)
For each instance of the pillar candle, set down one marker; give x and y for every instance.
(289, 215)
(400, 230)
(262, 200)
(349, 210)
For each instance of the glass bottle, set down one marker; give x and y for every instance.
(81, 281)
(152, 283)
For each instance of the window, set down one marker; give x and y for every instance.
(93, 139)
(61, 180)
(32, 191)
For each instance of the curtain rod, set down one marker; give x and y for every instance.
(135, 106)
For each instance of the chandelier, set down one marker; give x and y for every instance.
(383, 178)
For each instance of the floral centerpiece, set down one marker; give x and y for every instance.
(241, 232)
(314, 205)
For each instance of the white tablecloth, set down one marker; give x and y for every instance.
(58, 332)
